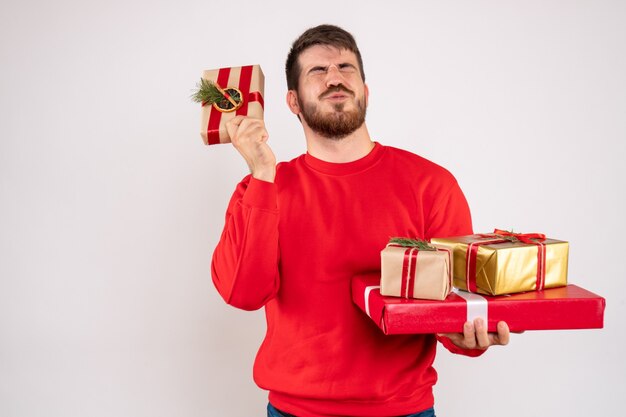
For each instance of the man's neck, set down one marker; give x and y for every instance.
(354, 146)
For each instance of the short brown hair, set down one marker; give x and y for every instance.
(320, 35)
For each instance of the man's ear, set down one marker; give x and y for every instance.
(367, 94)
(292, 102)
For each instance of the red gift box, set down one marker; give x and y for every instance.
(569, 307)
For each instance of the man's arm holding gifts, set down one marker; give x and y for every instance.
(245, 261)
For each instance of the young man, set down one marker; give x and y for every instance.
(297, 233)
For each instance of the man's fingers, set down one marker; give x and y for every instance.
(503, 333)
(469, 335)
(249, 137)
(482, 337)
(232, 126)
(246, 130)
(475, 335)
(502, 336)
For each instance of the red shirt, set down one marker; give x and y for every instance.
(294, 245)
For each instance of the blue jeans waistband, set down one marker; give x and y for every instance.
(275, 412)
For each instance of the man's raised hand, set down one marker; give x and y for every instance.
(249, 137)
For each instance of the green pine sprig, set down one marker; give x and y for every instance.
(412, 243)
(207, 92)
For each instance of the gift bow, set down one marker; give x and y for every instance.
(530, 238)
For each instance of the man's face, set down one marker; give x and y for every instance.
(331, 94)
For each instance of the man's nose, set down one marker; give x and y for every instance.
(334, 76)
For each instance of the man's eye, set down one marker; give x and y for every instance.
(317, 70)
(347, 68)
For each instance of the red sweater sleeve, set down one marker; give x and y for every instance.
(245, 261)
(450, 216)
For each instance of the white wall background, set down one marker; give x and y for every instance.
(111, 206)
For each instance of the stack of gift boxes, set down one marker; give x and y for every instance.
(502, 276)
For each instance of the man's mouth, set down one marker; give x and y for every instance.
(337, 93)
(336, 96)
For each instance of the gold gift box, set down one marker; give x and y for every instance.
(505, 266)
(249, 82)
(412, 273)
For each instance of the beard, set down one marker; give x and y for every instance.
(337, 124)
